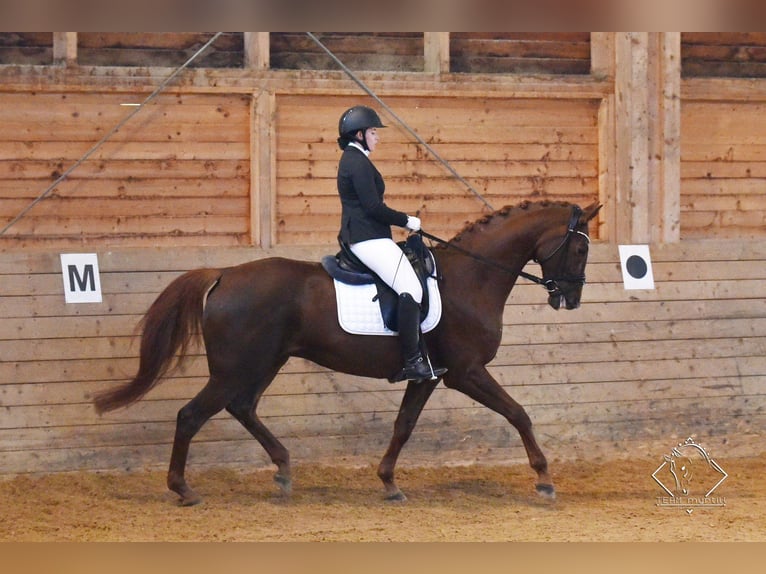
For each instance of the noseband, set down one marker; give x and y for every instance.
(550, 284)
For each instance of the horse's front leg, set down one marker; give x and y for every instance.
(415, 398)
(479, 385)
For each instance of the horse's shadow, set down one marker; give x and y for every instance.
(429, 486)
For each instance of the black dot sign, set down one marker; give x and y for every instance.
(636, 263)
(636, 266)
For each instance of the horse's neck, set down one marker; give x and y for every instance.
(510, 246)
(514, 242)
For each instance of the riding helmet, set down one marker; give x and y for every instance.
(358, 118)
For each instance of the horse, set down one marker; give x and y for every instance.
(254, 316)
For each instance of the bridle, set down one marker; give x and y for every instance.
(551, 284)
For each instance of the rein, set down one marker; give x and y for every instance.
(483, 259)
(550, 285)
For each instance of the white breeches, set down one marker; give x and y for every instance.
(388, 261)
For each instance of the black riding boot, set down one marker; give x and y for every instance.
(417, 366)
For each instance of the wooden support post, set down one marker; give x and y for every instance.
(607, 194)
(262, 170)
(257, 51)
(602, 54)
(647, 137)
(665, 137)
(64, 48)
(631, 138)
(602, 58)
(436, 52)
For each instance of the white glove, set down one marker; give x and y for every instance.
(413, 223)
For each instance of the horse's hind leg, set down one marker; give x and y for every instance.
(209, 401)
(243, 409)
(480, 386)
(415, 398)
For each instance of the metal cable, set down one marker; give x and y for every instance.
(412, 132)
(103, 140)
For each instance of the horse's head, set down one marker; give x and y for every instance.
(562, 253)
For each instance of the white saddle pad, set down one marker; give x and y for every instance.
(358, 314)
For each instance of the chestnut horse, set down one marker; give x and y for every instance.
(254, 316)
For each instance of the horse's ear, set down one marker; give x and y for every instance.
(590, 212)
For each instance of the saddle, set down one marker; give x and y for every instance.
(346, 268)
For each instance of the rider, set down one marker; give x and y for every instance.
(366, 228)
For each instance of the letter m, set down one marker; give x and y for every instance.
(88, 278)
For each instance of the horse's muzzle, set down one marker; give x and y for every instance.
(564, 291)
(555, 301)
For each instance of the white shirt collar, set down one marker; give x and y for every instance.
(360, 148)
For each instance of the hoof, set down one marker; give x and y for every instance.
(284, 483)
(186, 496)
(190, 500)
(395, 497)
(546, 491)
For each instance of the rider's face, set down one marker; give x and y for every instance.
(372, 138)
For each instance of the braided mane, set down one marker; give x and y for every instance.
(505, 212)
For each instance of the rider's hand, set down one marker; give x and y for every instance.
(413, 223)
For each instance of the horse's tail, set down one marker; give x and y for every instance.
(168, 327)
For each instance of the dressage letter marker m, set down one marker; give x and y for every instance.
(82, 283)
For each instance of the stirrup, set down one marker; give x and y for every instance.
(418, 369)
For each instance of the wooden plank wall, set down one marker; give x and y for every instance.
(723, 166)
(723, 128)
(159, 49)
(617, 377)
(179, 173)
(520, 52)
(32, 48)
(384, 51)
(515, 149)
(724, 54)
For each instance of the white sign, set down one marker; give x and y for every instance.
(636, 267)
(82, 283)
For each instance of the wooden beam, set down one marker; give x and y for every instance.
(64, 48)
(321, 82)
(436, 52)
(257, 51)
